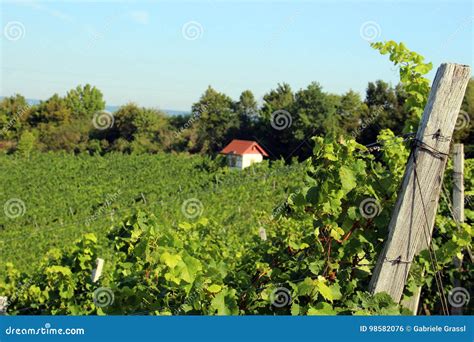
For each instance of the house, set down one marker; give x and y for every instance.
(243, 153)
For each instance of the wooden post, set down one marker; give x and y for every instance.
(97, 272)
(458, 183)
(412, 302)
(413, 217)
(458, 204)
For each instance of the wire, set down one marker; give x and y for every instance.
(427, 234)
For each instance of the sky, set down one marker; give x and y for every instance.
(164, 54)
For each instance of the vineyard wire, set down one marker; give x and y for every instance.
(427, 235)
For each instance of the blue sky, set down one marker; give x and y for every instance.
(165, 53)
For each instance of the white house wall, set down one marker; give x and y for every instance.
(249, 159)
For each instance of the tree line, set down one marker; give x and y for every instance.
(282, 123)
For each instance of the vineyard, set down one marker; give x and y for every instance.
(67, 196)
(185, 235)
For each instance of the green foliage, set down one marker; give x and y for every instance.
(385, 111)
(61, 285)
(281, 98)
(321, 246)
(315, 111)
(464, 132)
(350, 110)
(69, 194)
(14, 111)
(216, 117)
(412, 69)
(247, 107)
(84, 101)
(26, 144)
(55, 110)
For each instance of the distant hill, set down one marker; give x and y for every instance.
(170, 112)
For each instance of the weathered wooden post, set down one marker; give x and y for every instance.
(412, 302)
(412, 221)
(458, 204)
(458, 183)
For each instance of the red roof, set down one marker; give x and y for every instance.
(241, 147)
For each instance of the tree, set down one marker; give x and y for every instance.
(385, 110)
(26, 144)
(85, 101)
(59, 128)
(14, 111)
(464, 131)
(315, 112)
(148, 129)
(281, 98)
(52, 111)
(247, 107)
(468, 100)
(350, 110)
(274, 126)
(69, 137)
(247, 112)
(216, 117)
